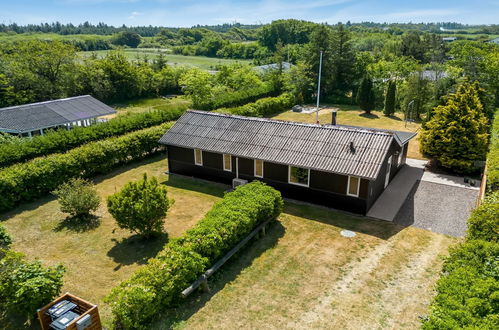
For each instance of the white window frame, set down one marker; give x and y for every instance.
(296, 183)
(229, 169)
(254, 168)
(358, 186)
(401, 155)
(200, 163)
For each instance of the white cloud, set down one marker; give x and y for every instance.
(135, 14)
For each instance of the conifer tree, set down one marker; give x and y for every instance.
(365, 96)
(389, 108)
(457, 134)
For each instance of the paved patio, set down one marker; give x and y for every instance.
(436, 202)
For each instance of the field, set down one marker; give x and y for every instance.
(150, 103)
(100, 255)
(352, 115)
(139, 54)
(302, 274)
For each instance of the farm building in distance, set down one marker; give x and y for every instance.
(35, 118)
(344, 167)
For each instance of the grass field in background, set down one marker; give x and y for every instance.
(138, 54)
(352, 115)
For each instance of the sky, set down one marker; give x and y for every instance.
(186, 13)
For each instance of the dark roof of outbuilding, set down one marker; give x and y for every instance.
(33, 116)
(319, 147)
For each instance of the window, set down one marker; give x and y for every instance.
(299, 176)
(227, 163)
(353, 186)
(198, 157)
(259, 168)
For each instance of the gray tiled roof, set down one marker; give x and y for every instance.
(33, 116)
(320, 147)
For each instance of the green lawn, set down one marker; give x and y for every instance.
(203, 62)
(99, 256)
(352, 115)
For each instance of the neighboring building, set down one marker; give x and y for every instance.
(34, 118)
(274, 66)
(449, 39)
(494, 41)
(338, 166)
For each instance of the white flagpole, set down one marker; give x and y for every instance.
(318, 89)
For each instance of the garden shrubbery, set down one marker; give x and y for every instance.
(62, 140)
(468, 291)
(77, 197)
(159, 284)
(263, 107)
(35, 178)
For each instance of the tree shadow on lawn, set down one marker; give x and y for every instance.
(369, 115)
(173, 317)
(79, 224)
(343, 220)
(136, 249)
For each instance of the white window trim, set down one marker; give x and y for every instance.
(230, 162)
(295, 183)
(201, 153)
(401, 155)
(358, 186)
(254, 168)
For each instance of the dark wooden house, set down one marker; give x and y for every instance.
(343, 167)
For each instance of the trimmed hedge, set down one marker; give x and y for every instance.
(63, 140)
(235, 98)
(159, 284)
(263, 107)
(36, 178)
(468, 291)
(493, 156)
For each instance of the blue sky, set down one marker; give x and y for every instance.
(190, 12)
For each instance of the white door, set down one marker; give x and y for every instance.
(388, 167)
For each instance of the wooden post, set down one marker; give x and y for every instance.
(263, 231)
(206, 287)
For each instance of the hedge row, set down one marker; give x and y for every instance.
(236, 98)
(468, 291)
(159, 284)
(63, 140)
(263, 107)
(493, 156)
(35, 178)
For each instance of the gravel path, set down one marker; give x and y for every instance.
(437, 207)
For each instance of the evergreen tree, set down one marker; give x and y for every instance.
(342, 65)
(457, 134)
(320, 40)
(389, 108)
(365, 95)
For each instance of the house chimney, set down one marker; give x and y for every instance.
(333, 118)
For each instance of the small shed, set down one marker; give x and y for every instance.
(34, 118)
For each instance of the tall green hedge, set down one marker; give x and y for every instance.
(62, 140)
(263, 107)
(159, 284)
(493, 156)
(468, 291)
(37, 177)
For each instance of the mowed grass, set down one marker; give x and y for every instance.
(139, 54)
(99, 256)
(352, 115)
(303, 274)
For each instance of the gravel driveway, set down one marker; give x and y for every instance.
(438, 207)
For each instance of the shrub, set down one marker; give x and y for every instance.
(33, 179)
(140, 206)
(390, 98)
(467, 292)
(457, 134)
(262, 107)
(5, 240)
(159, 284)
(484, 221)
(62, 140)
(77, 197)
(26, 286)
(365, 95)
(493, 156)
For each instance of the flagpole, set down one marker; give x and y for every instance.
(318, 89)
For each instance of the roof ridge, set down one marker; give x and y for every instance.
(294, 123)
(44, 102)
